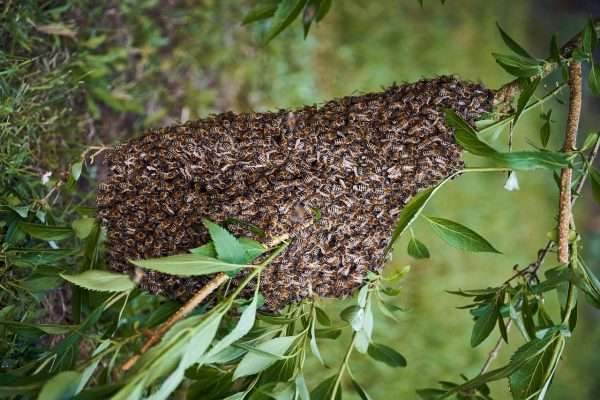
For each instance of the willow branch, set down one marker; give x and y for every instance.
(506, 93)
(181, 313)
(565, 214)
(495, 350)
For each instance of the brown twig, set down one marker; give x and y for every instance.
(564, 216)
(182, 312)
(506, 93)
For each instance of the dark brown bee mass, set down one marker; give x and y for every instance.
(357, 160)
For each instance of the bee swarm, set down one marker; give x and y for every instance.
(356, 160)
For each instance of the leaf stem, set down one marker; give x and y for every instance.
(343, 367)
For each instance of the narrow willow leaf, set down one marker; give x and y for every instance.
(324, 8)
(255, 362)
(532, 377)
(325, 389)
(595, 181)
(263, 10)
(286, 12)
(460, 236)
(466, 136)
(590, 141)
(528, 91)
(362, 393)
(187, 265)
(314, 347)
(101, 281)
(590, 38)
(514, 46)
(518, 66)
(416, 249)
(594, 79)
(228, 248)
(244, 325)
(76, 169)
(328, 333)
(528, 160)
(46, 232)
(545, 129)
(484, 324)
(411, 211)
(386, 355)
(322, 316)
(61, 386)
(554, 49)
(301, 388)
(83, 227)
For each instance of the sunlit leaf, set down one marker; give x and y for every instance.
(460, 236)
(228, 248)
(187, 265)
(255, 362)
(518, 66)
(102, 281)
(62, 386)
(286, 13)
(83, 226)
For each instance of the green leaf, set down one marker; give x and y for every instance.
(595, 181)
(514, 46)
(594, 79)
(46, 232)
(187, 265)
(545, 129)
(466, 136)
(590, 37)
(286, 12)
(416, 249)
(590, 141)
(362, 393)
(328, 333)
(386, 355)
(101, 281)
(322, 316)
(76, 169)
(227, 246)
(554, 49)
(528, 160)
(62, 386)
(83, 226)
(255, 362)
(484, 324)
(263, 10)
(460, 236)
(411, 211)
(533, 376)
(528, 89)
(324, 8)
(207, 250)
(518, 66)
(325, 389)
(245, 323)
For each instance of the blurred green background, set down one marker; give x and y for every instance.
(105, 71)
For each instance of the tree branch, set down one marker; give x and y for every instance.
(182, 312)
(565, 214)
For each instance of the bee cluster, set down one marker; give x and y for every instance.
(356, 161)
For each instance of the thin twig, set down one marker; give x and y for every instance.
(495, 350)
(564, 216)
(182, 312)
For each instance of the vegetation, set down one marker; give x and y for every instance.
(77, 76)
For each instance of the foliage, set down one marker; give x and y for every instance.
(50, 239)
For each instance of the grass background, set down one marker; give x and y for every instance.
(78, 73)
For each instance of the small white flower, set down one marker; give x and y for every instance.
(46, 177)
(512, 183)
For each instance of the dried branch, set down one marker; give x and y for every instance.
(182, 312)
(565, 214)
